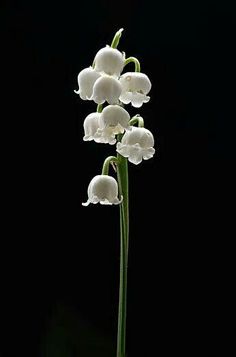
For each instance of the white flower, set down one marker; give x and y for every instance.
(136, 144)
(115, 118)
(103, 189)
(86, 79)
(135, 86)
(91, 125)
(110, 61)
(94, 130)
(103, 127)
(108, 89)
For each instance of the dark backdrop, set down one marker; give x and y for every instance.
(60, 261)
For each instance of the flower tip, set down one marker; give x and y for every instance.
(76, 91)
(119, 32)
(121, 200)
(85, 204)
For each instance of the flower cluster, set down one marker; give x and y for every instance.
(104, 82)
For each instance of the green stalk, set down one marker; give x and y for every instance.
(122, 175)
(137, 119)
(109, 160)
(116, 38)
(135, 61)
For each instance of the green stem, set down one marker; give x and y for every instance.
(135, 61)
(137, 119)
(99, 108)
(122, 174)
(116, 39)
(109, 160)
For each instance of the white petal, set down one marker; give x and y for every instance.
(138, 99)
(135, 159)
(86, 203)
(88, 138)
(148, 153)
(122, 149)
(126, 97)
(105, 135)
(116, 201)
(105, 202)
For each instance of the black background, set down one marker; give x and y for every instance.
(60, 261)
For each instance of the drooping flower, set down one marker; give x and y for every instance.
(103, 127)
(86, 79)
(115, 118)
(110, 61)
(135, 87)
(103, 189)
(136, 144)
(106, 88)
(94, 130)
(91, 125)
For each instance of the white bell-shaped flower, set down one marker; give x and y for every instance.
(110, 61)
(86, 79)
(94, 129)
(103, 189)
(114, 120)
(136, 144)
(91, 125)
(135, 87)
(106, 88)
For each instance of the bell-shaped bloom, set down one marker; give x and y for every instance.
(106, 88)
(116, 118)
(91, 125)
(136, 144)
(86, 79)
(135, 87)
(103, 189)
(103, 127)
(94, 130)
(110, 61)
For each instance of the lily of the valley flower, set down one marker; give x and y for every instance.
(116, 118)
(103, 127)
(135, 87)
(103, 189)
(94, 130)
(110, 61)
(136, 144)
(86, 79)
(106, 88)
(91, 125)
